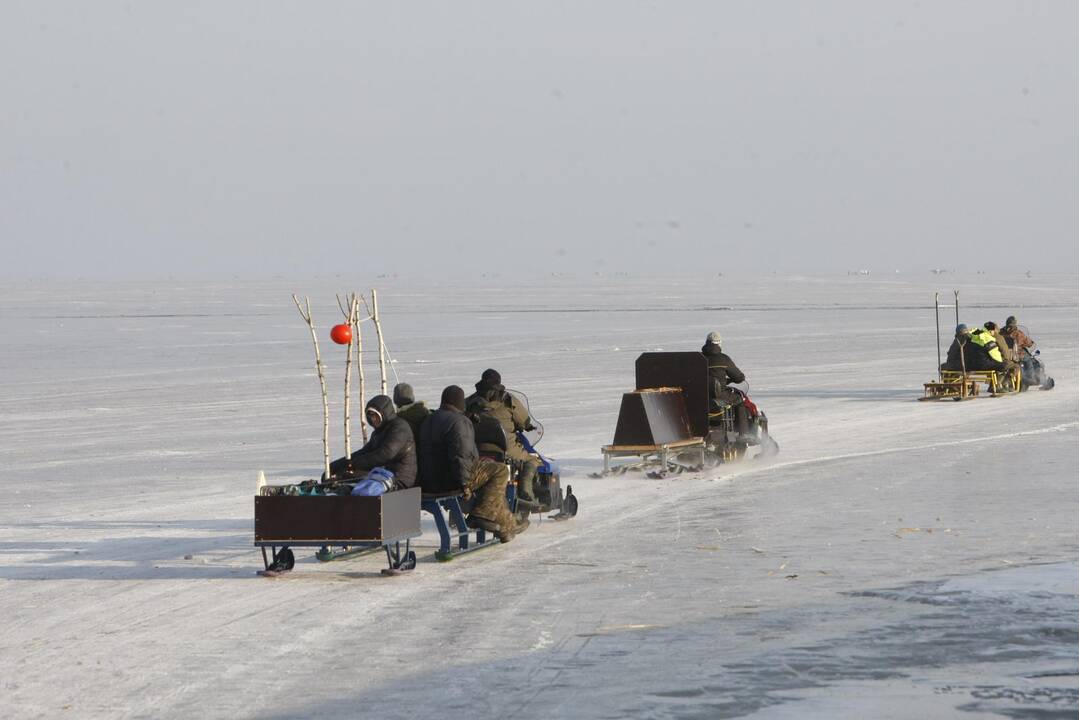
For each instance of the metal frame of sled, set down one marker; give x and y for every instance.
(957, 385)
(649, 455)
(386, 521)
(468, 539)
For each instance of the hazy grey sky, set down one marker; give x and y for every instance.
(258, 138)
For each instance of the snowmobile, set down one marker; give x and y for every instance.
(492, 444)
(723, 441)
(1033, 372)
(670, 424)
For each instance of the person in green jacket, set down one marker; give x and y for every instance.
(491, 398)
(408, 409)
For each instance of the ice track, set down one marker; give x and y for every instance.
(897, 559)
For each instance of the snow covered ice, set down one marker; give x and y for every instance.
(897, 559)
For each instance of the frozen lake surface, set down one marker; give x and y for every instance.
(897, 559)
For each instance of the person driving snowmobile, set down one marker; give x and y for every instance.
(1017, 340)
(1023, 346)
(491, 398)
(721, 372)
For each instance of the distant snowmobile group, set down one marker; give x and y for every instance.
(1003, 359)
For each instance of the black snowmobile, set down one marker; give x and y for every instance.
(1034, 373)
(724, 442)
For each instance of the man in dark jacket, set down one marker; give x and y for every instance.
(959, 355)
(412, 412)
(721, 372)
(973, 350)
(492, 399)
(449, 462)
(391, 446)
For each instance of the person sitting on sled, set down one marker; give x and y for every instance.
(391, 446)
(409, 409)
(450, 462)
(973, 350)
(1005, 350)
(722, 372)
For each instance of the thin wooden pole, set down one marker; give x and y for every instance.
(358, 335)
(321, 380)
(936, 309)
(381, 345)
(350, 318)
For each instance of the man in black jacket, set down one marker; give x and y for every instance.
(449, 462)
(721, 372)
(391, 446)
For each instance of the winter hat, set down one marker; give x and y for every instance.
(714, 338)
(962, 329)
(403, 394)
(1011, 321)
(454, 396)
(491, 376)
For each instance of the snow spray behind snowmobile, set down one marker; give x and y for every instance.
(669, 423)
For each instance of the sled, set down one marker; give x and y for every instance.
(664, 457)
(957, 385)
(360, 523)
(668, 423)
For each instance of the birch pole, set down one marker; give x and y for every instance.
(358, 336)
(381, 345)
(321, 379)
(350, 318)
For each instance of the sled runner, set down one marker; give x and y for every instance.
(360, 523)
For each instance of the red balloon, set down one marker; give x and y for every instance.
(341, 334)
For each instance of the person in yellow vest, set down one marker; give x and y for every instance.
(986, 355)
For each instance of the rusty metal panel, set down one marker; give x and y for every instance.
(685, 370)
(290, 518)
(652, 417)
